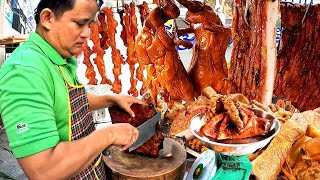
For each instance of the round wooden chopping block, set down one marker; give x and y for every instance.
(121, 165)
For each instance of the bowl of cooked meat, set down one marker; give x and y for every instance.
(236, 133)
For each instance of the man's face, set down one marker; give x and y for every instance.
(70, 30)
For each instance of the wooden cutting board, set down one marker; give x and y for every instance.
(129, 166)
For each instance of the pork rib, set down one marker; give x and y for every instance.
(253, 58)
(297, 72)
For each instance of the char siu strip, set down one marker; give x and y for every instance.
(123, 34)
(144, 11)
(131, 52)
(98, 60)
(115, 53)
(90, 73)
(103, 31)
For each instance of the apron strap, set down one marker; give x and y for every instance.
(66, 80)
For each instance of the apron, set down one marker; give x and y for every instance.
(81, 124)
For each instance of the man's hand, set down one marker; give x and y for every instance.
(97, 102)
(124, 134)
(126, 101)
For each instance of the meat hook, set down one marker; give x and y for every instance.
(101, 5)
(247, 13)
(120, 8)
(305, 13)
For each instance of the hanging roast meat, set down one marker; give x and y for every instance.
(156, 49)
(90, 73)
(298, 64)
(253, 59)
(142, 114)
(208, 64)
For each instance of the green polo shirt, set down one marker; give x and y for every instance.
(33, 97)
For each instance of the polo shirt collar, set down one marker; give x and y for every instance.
(48, 50)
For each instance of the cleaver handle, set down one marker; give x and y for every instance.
(111, 149)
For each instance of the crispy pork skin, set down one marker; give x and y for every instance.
(142, 114)
(278, 150)
(253, 58)
(297, 72)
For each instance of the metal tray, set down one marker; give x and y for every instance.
(235, 149)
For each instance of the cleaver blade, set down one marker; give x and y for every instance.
(146, 131)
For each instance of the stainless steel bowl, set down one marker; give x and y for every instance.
(235, 149)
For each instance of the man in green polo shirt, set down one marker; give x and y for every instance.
(48, 126)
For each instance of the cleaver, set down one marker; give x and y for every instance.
(146, 131)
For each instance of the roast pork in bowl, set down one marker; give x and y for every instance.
(220, 135)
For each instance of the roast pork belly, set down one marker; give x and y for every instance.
(253, 59)
(298, 64)
(142, 114)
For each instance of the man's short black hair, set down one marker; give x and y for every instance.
(58, 7)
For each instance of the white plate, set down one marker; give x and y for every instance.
(234, 149)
